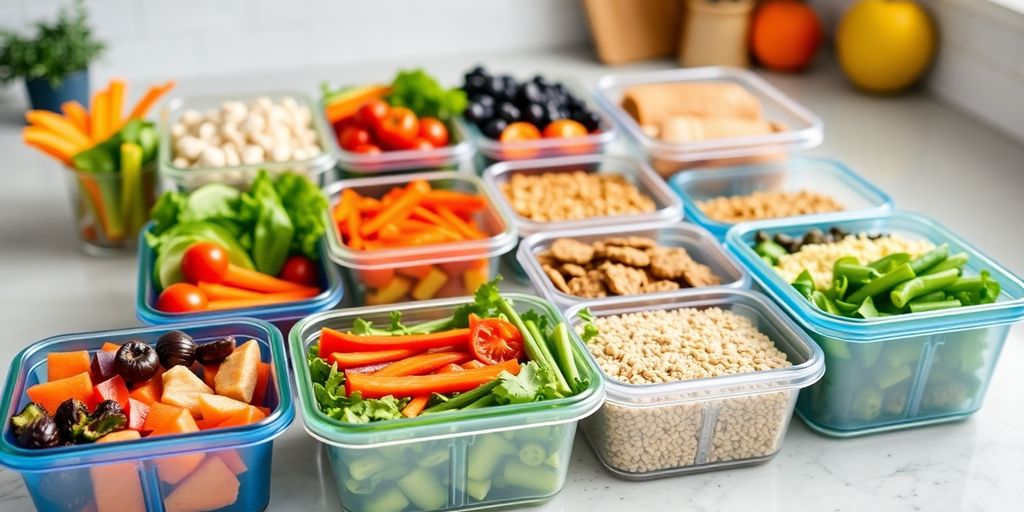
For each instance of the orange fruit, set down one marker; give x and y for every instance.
(785, 35)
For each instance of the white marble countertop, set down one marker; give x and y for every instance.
(929, 157)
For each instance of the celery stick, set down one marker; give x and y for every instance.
(132, 208)
(478, 489)
(424, 489)
(485, 454)
(433, 458)
(531, 477)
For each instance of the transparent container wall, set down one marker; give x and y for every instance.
(477, 471)
(821, 176)
(450, 157)
(797, 127)
(901, 382)
(186, 179)
(698, 244)
(109, 209)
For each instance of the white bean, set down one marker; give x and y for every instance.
(207, 130)
(190, 147)
(252, 154)
(280, 153)
(181, 163)
(231, 156)
(178, 130)
(191, 117)
(212, 157)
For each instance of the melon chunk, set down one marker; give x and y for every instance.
(117, 487)
(216, 408)
(174, 469)
(182, 388)
(213, 485)
(233, 459)
(237, 375)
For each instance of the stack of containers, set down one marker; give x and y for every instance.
(315, 167)
(134, 476)
(460, 460)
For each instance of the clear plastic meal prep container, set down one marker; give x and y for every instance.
(802, 130)
(657, 430)
(824, 176)
(668, 206)
(315, 168)
(137, 475)
(282, 315)
(452, 461)
(697, 242)
(900, 371)
(384, 276)
(492, 151)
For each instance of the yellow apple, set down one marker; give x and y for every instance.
(884, 46)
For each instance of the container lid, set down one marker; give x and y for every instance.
(803, 128)
(432, 426)
(240, 174)
(502, 234)
(23, 374)
(146, 294)
(1009, 308)
(807, 358)
(668, 205)
(820, 175)
(701, 246)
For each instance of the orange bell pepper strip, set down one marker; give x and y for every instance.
(337, 341)
(347, 360)
(415, 406)
(374, 386)
(423, 363)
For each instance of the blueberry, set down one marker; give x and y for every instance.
(474, 84)
(540, 80)
(494, 86)
(534, 113)
(588, 118)
(530, 93)
(478, 112)
(509, 88)
(487, 101)
(553, 111)
(508, 112)
(494, 127)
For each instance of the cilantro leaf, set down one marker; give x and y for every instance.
(540, 320)
(533, 383)
(587, 330)
(485, 304)
(396, 321)
(377, 409)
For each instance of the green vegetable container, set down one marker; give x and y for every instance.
(469, 459)
(898, 371)
(110, 208)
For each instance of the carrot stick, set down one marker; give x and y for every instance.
(390, 232)
(434, 236)
(265, 300)
(41, 137)
(59, 125)
(100, 117)
(356, 359)
(464, 229)
(425, 215)
(259, 282)
(353, 223)
(453, 200)
(373, 386)
(415, 406)
(216, 291)
(346, 206)
(337, 341)
(414, 225)
(423, 363)
(116, 105)
(149, 99)
(369, 205)
(396, 211)
(57, 155)
(77, 115)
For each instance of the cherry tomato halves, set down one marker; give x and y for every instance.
(493, 340)
(181, 298)
(205, 261)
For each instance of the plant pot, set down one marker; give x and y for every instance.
(43, 96)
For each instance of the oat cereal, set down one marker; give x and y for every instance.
(561, 196)
(768, 205)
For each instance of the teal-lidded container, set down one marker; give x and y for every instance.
(282, 315)
(900, 371)
(490, 457)
(820, 175)
(224, 469)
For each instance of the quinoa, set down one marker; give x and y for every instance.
(818, 259)
(768, 205)
(561, 196)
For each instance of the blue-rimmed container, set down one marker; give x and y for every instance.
(900, 371)
(820, 175)
(282, 315)
(135, 476)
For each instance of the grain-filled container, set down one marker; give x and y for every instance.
(419, 272)
(460, 460)
(817, 175)
(898, 371)
(791, 125)
(675, 427)
(210, 115)
(699, 245)
(224, 468)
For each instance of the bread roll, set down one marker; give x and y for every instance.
(654, 103)
(680, 129)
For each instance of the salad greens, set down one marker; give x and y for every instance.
(421, 93)
(329, 390)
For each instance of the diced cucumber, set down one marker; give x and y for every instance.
(366, 466)
(534, 478)
(391, 500)
(485, 454)
(424, 489)
(532, 454)
(478, 489)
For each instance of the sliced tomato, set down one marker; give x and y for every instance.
(493, 340)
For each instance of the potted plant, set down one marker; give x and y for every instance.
(55, 62)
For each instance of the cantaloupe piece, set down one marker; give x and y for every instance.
(110, 347)
(210, 374)
(237, 375)
(205, 425)
(174, 469)
(166, 419)
(213, 485)
(60, 365)
(182, 388)
(264, 410)
(233, 460)
(117, 487)
(259, 394)
(250, 415)
(51, 394)
(137, 412)
(149, 391)
(216, 408)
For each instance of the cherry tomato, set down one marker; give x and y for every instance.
(181, 298)
(519, 131)
(493, 340)
(345, 122)
(371, 113)
(564, 129)
(419, 143)
(434, 130)
(205, 261)
(353, 137)
(299, 269)
(367, 149)
(398, 128)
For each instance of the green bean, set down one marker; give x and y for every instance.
(967, 284)
(867, 309)
(545, 356)
(804, 284)
(854, 272)
(839, 288)
(824, 303)
(770, 249)
(845, 308)
(886, 263)
(922, 285)
(935, 305)
(932, 297)
(464, 399)
(929, 259)
(883, 284)
(956, 261)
